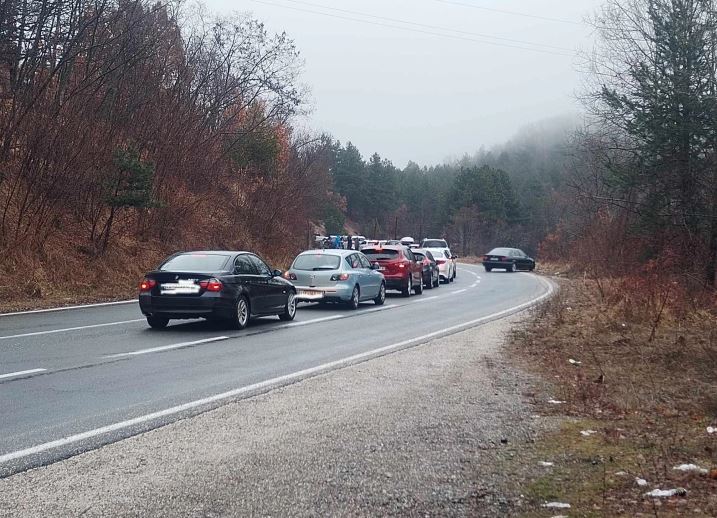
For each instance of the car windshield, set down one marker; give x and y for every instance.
(316, 262)
(195, 263)
(376, 254)
(501, 251)
(435, 243)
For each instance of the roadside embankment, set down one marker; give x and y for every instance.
(635, 383)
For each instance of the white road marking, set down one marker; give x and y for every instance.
(66, 329)
(423, 299)
(313, 321)
(459, 291)
(167, 347)
(21, 373)
(267, 384)
(65, 308)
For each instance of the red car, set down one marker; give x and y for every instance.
(399, 267)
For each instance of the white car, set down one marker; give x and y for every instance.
(446, 263)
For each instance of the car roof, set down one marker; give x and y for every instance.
(215, 252)
(329, 251)
(387, 247)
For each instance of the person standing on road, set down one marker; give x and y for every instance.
(348, 242)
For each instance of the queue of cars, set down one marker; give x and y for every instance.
(236, 286)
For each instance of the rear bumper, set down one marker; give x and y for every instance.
(338, 293)
(395, 282)
(207, 305)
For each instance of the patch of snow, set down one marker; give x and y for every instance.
(575, 362)
(690, 467)
(556, 505)
(621, 473)
(711, 430)
(640, 481)
(545, 464)
(666, 493)
(587, 433)
(556, 402)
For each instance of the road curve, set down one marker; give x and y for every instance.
(74, 380)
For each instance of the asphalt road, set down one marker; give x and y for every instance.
(76, 379)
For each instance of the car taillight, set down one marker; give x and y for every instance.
(402, 265)
(289, 276)
(340, 277)
(212, 285)
(147, 284)
(486, 258)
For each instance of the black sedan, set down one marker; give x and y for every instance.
(217, 285)
(508, 259)
(431, 273)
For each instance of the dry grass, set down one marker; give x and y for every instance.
(647, 382)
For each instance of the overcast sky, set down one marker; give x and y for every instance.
(415, 95)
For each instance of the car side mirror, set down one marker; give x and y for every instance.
(375, 266)
(277, 273)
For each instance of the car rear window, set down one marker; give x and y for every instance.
(315, 262)
(419, 257)
(501, 251)
(375, 254)
(195, 263)
(435, 243)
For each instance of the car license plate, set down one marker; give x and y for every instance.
(181, 287)
(311, 294)
(495, 258)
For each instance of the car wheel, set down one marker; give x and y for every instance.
(381, 298)
(355, 297)
(157, 322)
(487, 268)
(513, 268)
(406, 291)
(241, 313)
(437, 282)
(289, 308)
(419, 288)
(429, 284)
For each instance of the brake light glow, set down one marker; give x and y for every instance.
(289, 276)
(340, 277)
(147, 284)
(402, 265)
(212, 285)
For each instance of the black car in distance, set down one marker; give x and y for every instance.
(508, 259)
(216, 285)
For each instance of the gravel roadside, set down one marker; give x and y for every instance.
(420, 432)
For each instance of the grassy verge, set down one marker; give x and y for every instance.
(645, 384)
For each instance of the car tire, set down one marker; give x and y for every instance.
(488, 269)
(289, 308)
(419, 289)
(157, 322)
(437, 282)
(381, 297)
(406, 291)
(429, 284)
(242, 313)
(513, 268)
(353, 303)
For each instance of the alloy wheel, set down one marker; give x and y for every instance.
(242, 312)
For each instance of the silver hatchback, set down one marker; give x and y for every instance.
(344, 276)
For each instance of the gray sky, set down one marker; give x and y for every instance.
(416, 96)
